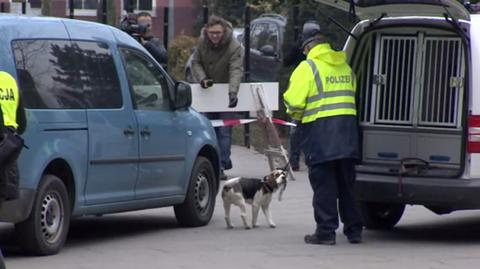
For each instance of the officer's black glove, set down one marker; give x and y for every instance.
(232, 99)
(206, 83)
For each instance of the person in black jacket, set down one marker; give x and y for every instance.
(295, 54)
(153, 44)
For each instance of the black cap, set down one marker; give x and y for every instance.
(311, 29)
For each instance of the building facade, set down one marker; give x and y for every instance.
(182, 14)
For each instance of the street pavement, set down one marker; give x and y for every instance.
(152, 239)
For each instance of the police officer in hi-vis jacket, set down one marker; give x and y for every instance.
(321, 95)
(14, 119)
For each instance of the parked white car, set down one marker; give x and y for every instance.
(417, 64)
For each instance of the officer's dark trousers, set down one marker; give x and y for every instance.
(331, 181)
(9, 180)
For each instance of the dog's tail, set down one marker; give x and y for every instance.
(231, 182)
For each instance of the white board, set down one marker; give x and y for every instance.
(215, 98)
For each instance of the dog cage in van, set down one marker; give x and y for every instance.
(411, 97)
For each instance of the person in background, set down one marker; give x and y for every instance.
(295, 55)
(321, 95)
(293, 58)
(153, 44)
(218, 58)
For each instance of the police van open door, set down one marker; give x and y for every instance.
(414, 69)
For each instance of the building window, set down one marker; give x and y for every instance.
(33, 7)
(83, 7)
(85, 4)
(146, 5)
(35, 3)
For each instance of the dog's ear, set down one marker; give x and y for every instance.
(265, 178)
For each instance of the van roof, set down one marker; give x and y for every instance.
(26, 27)
(367, 9)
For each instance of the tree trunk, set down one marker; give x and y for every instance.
(47, 7)
(110, 12)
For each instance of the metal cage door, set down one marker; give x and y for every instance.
(394, 79)
(418, 81)
(441, 95)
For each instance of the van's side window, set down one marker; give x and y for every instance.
(59, 74)
(149, 86)
(97, 74)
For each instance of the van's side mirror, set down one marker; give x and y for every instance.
(268, 50)
(183, 95)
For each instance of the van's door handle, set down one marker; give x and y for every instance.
(129, 131)
(145, 132)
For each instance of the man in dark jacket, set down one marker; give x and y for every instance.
(321, 95)
(153, 44)
(218, 58)
(295, 55)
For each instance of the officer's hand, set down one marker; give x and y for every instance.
(232, 100)
(206, 83)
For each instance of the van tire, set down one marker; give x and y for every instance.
(380, 216)
(197, 209)
(44, 232)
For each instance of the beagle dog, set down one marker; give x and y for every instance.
(256, 192)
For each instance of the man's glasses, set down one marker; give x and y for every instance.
(215, 33)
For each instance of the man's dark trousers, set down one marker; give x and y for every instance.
(331, 180)
(295, 146)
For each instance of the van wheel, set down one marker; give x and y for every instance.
(44, 232)
(380, 216)
(197, 209)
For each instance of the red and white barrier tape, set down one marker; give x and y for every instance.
(233, 122)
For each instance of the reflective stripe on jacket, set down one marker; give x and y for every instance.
(322, 86)
(9, 97)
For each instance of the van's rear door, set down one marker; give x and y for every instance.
(372, 9)
(411, 101)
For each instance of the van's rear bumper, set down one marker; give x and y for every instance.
(19, 209)
(441, 192)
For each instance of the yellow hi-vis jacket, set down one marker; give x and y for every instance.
(322, 86)
(9, 99)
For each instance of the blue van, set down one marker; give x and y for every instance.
(108, 130)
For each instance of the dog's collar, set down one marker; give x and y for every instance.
(268, 187)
